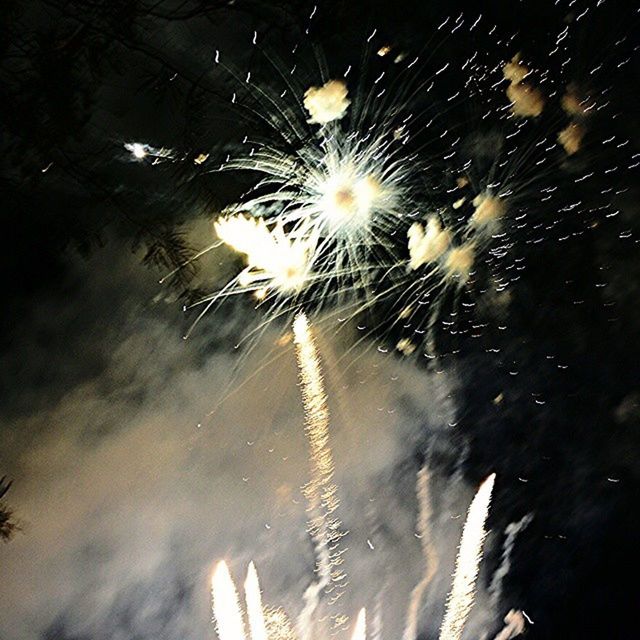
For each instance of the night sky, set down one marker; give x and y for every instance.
(139, 459)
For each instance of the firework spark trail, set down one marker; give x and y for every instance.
(226, 606)
(321, 491)
(462, 592)
(428, 553)
(253, 598)
(360, 630)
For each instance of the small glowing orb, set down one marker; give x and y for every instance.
(572, 102)
(405, 346)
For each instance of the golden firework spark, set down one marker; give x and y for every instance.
(253, 598)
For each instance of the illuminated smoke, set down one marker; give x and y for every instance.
(515, 70)
(360, 630)
(514, 626)
(272, 257)
(488, 210)
(348, 199)
(461, 596)
(427, 245)
(571, 137)
(226, 606)
(572, 102)
(459, 262)
(321, 491)
(253, 599)
(526, 100)
(326, 103)
(429, 555)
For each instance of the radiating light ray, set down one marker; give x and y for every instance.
(253, 599)
(461, 596)
(226, 605)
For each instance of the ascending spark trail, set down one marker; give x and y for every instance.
(321, 491)
(226, 607)
(253, 598)
(428, 554)
(360, 630)
(462, 593)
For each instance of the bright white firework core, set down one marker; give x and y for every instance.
(138, 150)
(348, 199)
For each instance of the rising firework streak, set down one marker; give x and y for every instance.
(255, 611)
(226, 606)
(462, 593)
(321, 491)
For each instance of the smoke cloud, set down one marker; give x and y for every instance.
(140, 461)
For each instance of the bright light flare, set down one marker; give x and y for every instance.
(253, 598)
(462, 592)
(427, 245)
(137, 149)
(226, 605)
(360, 630)
(281, 261)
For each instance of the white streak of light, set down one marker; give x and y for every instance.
(226, 607)
(321, 491)
(462, 593)
(360, 630)
(253, 599)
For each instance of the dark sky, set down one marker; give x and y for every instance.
(139, 459)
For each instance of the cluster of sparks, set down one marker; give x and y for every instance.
(324, 528)
(342, 211)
